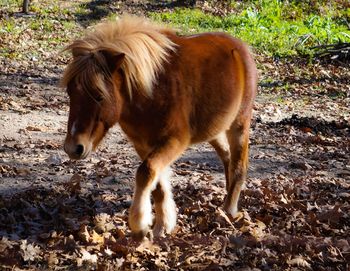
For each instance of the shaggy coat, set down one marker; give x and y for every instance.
(166, 92)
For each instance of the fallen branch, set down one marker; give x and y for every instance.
(339, 51)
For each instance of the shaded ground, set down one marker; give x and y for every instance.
(60, 214)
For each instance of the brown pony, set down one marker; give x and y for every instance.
(166, 91)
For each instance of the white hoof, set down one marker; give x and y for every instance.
(165, 218)
(231, 210)
(140, 217)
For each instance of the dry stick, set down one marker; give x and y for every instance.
(339, 50)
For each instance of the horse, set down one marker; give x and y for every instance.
(166, 91)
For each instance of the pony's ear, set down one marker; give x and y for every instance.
(114, 60)
(76, 52)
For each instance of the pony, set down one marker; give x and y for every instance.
(166, 91)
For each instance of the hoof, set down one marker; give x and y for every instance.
(140, 220)
(140, 235)
(231, 210)
(158, 230)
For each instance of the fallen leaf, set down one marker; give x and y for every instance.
(30, 252)
(227, 219)
(86, 256)
(84, 234)
(33, 128)
(299, 261)
(95, 238)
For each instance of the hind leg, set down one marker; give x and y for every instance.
(238, 138)
(164, 205)
(222, 148)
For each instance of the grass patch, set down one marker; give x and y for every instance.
(11, 5)
(51, 27)
(274, 28)
(9, 26)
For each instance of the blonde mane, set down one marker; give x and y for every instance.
(145, 45)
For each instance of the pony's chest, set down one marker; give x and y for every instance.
(135, 131)
(142, 127)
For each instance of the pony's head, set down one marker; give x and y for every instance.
(93, 81)
(122, 55)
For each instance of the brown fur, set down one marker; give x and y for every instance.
(201, 88)
(144, 45)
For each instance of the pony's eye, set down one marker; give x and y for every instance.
(99, 99)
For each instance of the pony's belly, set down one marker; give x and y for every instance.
(213, 126)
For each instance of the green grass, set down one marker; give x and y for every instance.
(8, 26)
(274, 27)
(10, 4)
(51, 26)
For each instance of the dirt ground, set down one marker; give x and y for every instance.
(62, 214)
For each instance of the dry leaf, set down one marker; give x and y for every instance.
(86, 256)
(108, 252)
(29, 252)
(102, 223)
(224, 215)
(5, 243)
(95, 238)
(299, 261)
(52, 259)
(84, 234)
(32, 128)
(149, 247)
(73, 186)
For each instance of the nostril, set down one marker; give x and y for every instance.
(79, 150)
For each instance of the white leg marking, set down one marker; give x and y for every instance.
(165, 210)
(140, 217)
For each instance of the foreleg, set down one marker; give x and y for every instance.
(164, 205)
(148, 174)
